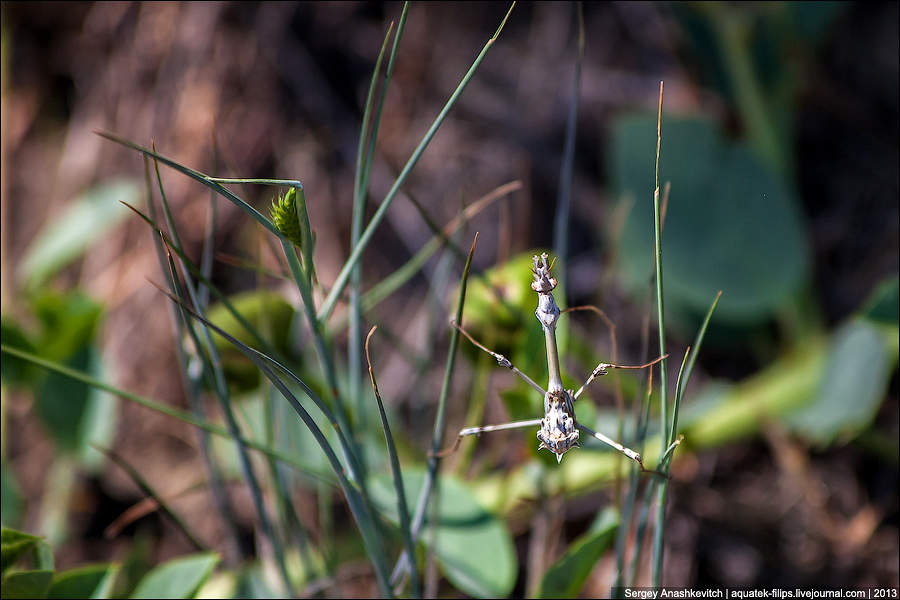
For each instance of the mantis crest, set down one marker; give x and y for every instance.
(559, 430)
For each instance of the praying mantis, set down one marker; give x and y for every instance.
(559, 430)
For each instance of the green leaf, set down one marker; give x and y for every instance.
(73, 413)
(474, 548)
(731, 224)
(883, 306)
(566, 577)
(26, 584)
(13, 370)
(74, 228)
(854, 382)
(91, 581)
(179, 578)
(10, 496)
(13, 544)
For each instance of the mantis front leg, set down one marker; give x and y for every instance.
(486, 429)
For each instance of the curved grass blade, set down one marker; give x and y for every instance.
(666, 458)
(698, 341)
(324, 357)
(190, 383)
(395, 280)
(197, 272)
(354, 341)
(343, 277)
(439, 423)
(363, 515)
(360, 192)
(402, 510)
(210, 182)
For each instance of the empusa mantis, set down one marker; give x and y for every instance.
(559, 429)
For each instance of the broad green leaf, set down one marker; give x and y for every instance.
(74, 228)
(13, 544)
(134, 565)
(26, 584)
(73, 413)
(566, 577)
(68, 323)
(474, 549)
(731, 225)
(90, 581)
(179, 578)
(853, 385)
(497, 301)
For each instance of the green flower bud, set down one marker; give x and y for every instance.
(285, 217)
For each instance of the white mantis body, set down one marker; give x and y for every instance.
(559, 428)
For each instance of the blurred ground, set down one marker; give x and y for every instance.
(278, 88)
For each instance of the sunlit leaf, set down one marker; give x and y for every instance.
(91, 581)
(13, 544)
(474, 548)
(857, 372)
(179, 578)
(71, 230)
(566, 577)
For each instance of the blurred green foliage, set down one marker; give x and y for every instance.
(731, 224)
(28, 572)
(473, 548)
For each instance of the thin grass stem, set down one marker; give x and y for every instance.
(564, 195)
(174, 413)
(659, 536)
(148, 490)
(191, 386)
(343, 277)
(361, 510)
(439, 423)
(360, 192)
(402, 509)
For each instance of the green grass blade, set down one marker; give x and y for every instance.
(564, 196)
(698, 341)
(360, 192)
(165, 410)
(659, 533)
(209, 239)
(197, 272)
(641, 530)
(147, 489)
(439, 421)
(343, 277)
(213, 365)
(324, 357)
(666, 458)
(407, 271)
(361, 510)
(402, 510)
(191, 385)
(211, 182)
